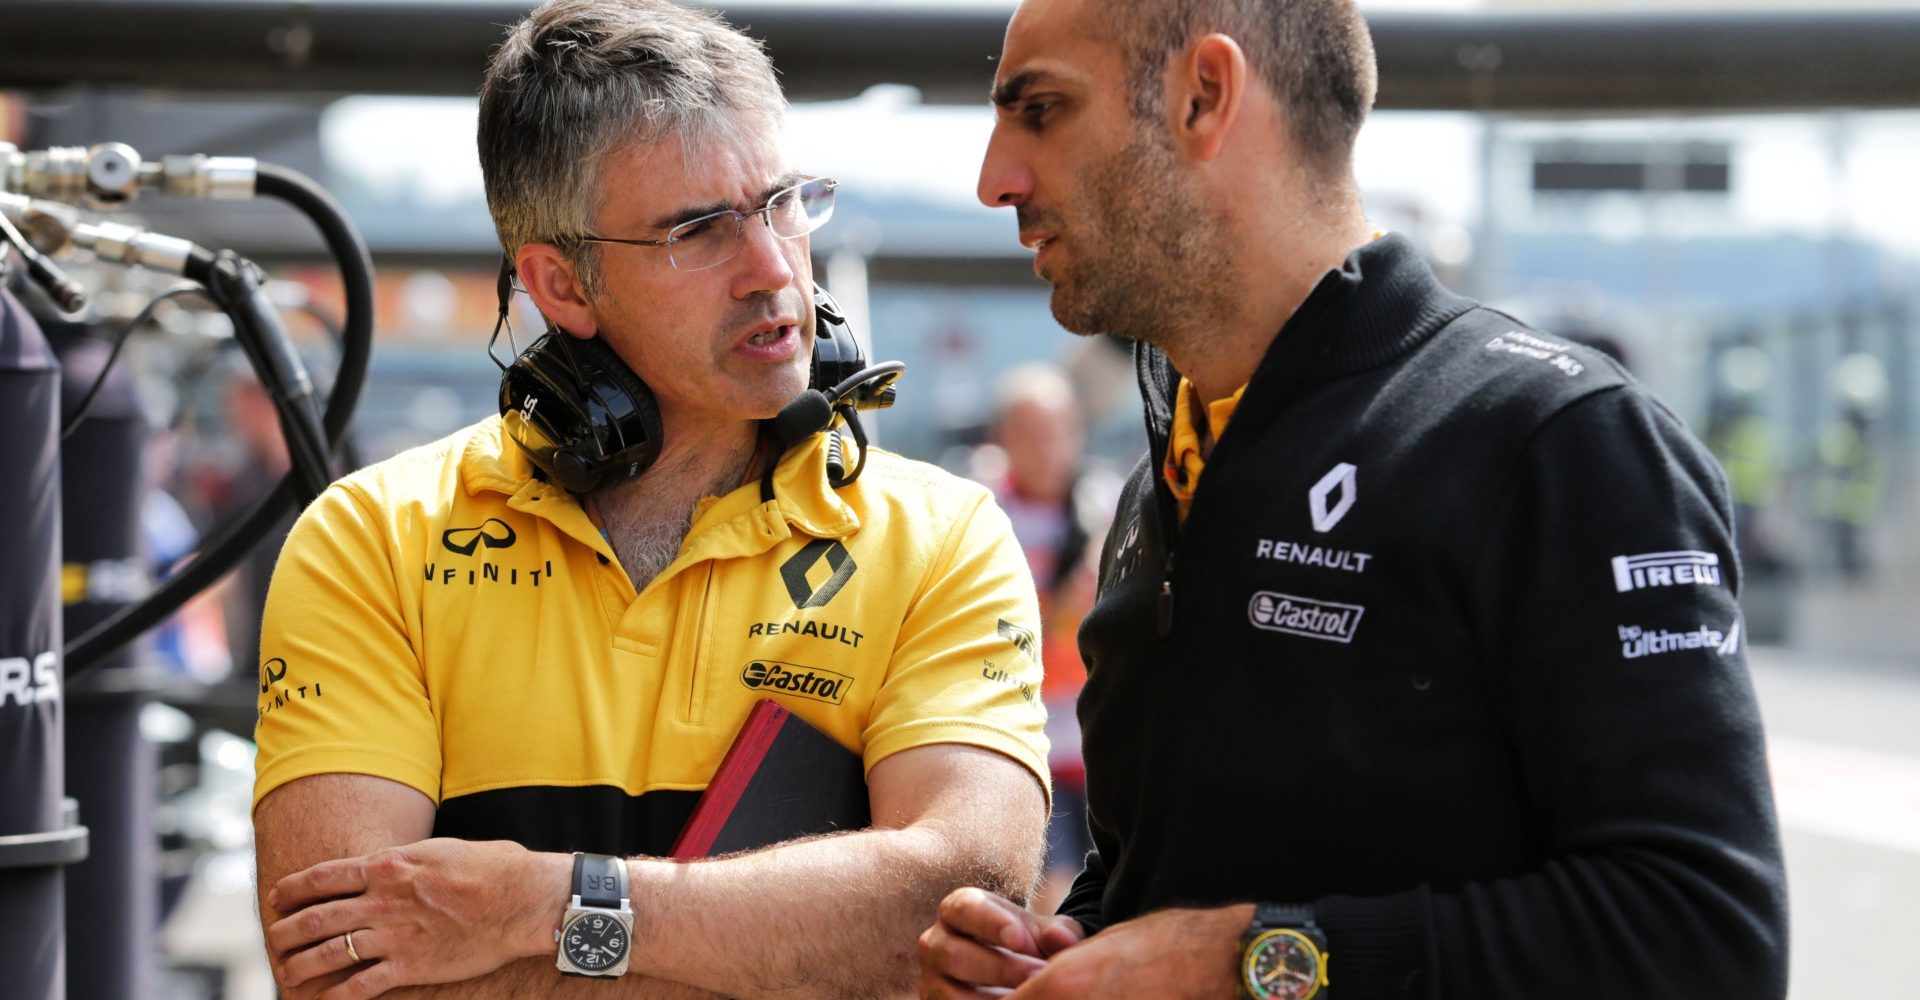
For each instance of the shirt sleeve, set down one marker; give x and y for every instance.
(341, 690)
(966, 667)
(1606, 597)
(1086, 899)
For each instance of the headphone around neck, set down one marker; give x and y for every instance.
(586, 420)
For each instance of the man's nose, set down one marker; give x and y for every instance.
(762, 265)
(1004, 177)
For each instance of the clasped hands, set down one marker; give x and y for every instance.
(984, 945)
(447, 910)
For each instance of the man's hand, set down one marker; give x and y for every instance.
(1169, 955)
(437, 911)
(986, 941)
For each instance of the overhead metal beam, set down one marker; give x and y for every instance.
(1702, 60)
(1549, 62)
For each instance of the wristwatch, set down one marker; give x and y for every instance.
(1283, 955)
(596, 934)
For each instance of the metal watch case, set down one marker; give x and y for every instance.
(595, 941)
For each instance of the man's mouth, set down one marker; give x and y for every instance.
(776, 340)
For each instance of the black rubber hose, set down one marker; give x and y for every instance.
(240, 288)
(345, 447)
(232, 542)
(356, 271)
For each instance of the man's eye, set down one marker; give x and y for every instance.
(692, 230)
(1036, 114)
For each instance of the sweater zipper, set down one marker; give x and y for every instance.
(1167, 510)
(1162, 502)
(1164, 619)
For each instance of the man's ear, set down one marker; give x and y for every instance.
(550, 280)
(1207, 85)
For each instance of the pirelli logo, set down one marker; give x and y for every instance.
(1685, 568)
(1304, 616)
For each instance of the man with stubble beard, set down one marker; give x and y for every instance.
(491, 699)
(1416, 668)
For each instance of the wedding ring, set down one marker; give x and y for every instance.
(350, 952)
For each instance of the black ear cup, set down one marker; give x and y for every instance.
(572, 472)
(607, 368)
(627, 429)
(836, 352)
(581, 415)
(586, 420)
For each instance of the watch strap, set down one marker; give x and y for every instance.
(600, 880)
(1266, 915)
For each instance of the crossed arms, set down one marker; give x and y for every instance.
(833, 916)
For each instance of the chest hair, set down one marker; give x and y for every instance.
(647, 519)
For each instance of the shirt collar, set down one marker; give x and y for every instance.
(804, 502)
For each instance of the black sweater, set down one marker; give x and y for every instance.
(1449, 649)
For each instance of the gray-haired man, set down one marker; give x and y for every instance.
(461, 649)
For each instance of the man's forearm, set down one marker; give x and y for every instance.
(827, 917)
(833, 916)
(538, 979)
(830, 916)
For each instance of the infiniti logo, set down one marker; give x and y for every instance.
(493, 533)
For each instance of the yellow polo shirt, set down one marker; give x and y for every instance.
(448, 621)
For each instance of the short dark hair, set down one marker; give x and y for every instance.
(1315, 55)
(578, 79)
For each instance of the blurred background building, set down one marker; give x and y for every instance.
(1728, 208)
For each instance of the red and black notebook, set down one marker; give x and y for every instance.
(781, 779)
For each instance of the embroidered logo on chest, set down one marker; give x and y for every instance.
(809, 583)
(796, 679)
(1304, 616)
(1333, 496)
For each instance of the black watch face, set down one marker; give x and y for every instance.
(594, 942)
(1282, 965)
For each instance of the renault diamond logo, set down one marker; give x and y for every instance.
(493, 533)
(1341, 479)
(798, 572)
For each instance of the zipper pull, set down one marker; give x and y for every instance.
(1165, 617)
